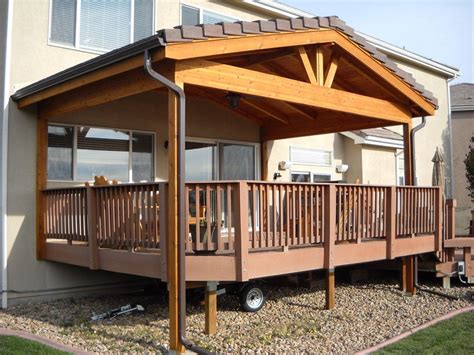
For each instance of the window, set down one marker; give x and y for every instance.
(307, 176)
(300, 177)
(400, 170)
(79, 153)
(191, 16)
(100, 25)
(211, 160)
(310, 156)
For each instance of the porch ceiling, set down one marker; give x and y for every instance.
(294, 77)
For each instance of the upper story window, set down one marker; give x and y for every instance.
(100, 25)
(309, 156)
(191, 16)
(79, 153)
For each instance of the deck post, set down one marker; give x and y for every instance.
(241, 208)
(41, 182)
(450, 225)
(172, 242)
(438, 220)
(92, 228)
(391, 216)
(329, 242)
(330, 289)
(264, 160)
(408, 268)
(211, 308)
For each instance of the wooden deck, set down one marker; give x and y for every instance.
(241, 230)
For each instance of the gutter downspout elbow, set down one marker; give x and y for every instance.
(412, 141)
(179, 92)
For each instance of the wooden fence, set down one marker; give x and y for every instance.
(221, 214)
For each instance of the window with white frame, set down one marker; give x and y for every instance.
(306, 176)
(78, 153)
(100, 25)
(191, 16)
(400, 170)
(309, 156)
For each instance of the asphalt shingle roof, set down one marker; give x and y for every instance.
(462, 94)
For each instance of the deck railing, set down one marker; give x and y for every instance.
(223, 216)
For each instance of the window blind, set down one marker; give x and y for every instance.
(142, 19)
(63, 22)
(189, 16)
(310, 156)
(105, 24)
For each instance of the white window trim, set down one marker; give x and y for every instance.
(74, 150)
(225, 141)
(314, 150)
(76, 46)
(201, 13)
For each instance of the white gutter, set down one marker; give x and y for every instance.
(278, 8)
(4, 154)
(411, 57)
(373, 140)
(460, 108)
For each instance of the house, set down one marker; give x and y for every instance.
(462, 121)
(253, 88)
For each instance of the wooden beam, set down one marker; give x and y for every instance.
(265, 110)
(328, 123)
(197, 91)
(330, 289)
(210, 302)
(107, 90)
(319, 60)
(292, 107)
(243, 44)
(41, 182)
(94, 76)
(229, 78)
(331, 70)
(307, 65)
(264, 160)
(173, 237)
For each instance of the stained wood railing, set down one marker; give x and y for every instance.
(229, 217)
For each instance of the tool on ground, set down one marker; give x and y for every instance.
(127, 309)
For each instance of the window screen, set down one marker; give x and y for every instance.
(321, 177)
(189, 16)
(209, 17)
(63, 21)
(102, 152)
(143, 19)
(105, 24)
(236, 162)
(60, 144)
(142, 157)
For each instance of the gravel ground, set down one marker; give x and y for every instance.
(293, 319)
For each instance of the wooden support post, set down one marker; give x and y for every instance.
(330, 289)
(391, 217)
(172, 242)
(467, 261)
(450, 226)
(319, 65)
(408, 268)
(264, 160)
(241, 208)
(92, 228)
(41, 182)
(211, 308)
(438, 220)
(163, 220)
(403, 273)
(329, 242)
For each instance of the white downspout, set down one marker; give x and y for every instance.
(4, 154)
(450, 192)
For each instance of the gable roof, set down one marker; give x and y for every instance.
(202, 32)
(462, 97)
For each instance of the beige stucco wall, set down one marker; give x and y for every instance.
(463, 130)
(279, 150)
(436, 132)
(378, 165)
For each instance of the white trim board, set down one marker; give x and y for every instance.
(372, 140)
